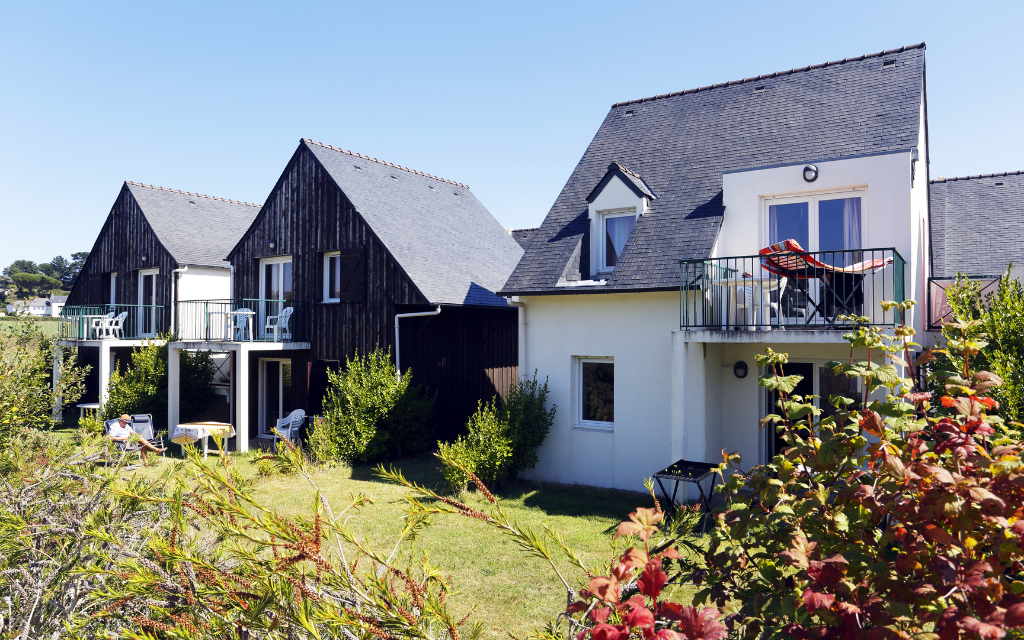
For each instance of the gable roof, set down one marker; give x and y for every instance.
(195, 229)
(973, 212)
(629, 178)
(682, 143)
(448, 243)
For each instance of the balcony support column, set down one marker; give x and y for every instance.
(104, 371)
(241, 372)
(173, 388)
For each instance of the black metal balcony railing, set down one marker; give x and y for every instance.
(797, 290)
(112, 321)
(939, 311)
(242, 320)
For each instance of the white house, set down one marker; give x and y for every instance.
(643, 300)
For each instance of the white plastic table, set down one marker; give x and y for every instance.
(191, 432)
(229, 327)
(761, 288)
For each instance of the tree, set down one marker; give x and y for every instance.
(36, 284)
(59, 268)
(21, 266)
(77, 262)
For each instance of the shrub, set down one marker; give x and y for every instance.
(91, 424)
(372, 414)
(142, 388)
(486, 451)
(503, 438)
(912, 532)
(1001, 333)
(529, 420)
(27, 395)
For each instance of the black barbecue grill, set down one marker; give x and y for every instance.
(688, 471)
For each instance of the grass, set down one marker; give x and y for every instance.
(514, 594)
(48, 326)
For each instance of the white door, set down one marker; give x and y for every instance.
(149, 299)
(275, 393)
(275, 289)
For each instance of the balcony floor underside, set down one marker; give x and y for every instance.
(110, 342)
(227, 345)
(772, 336)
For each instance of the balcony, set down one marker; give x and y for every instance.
(795, 290)
(242, 320)
(111, 322)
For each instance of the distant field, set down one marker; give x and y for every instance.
(48, 325)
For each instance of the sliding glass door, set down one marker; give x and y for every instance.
(149, 298)
(275, 393)
(275, 289)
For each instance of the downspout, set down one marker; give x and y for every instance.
(174, 293)
(515, 302)
(398, 316)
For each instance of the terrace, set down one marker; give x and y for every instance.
(789, 290)
(242, 320)
(84, 325)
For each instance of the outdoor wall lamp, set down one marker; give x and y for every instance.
(740, 369)
(145, 256)
(810, 173)
(273, 244)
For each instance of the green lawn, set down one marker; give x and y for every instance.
(514, 593)
(47, 326)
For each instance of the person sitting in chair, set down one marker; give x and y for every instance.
(122, 432)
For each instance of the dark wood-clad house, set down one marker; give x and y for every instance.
(353, 245)
(156, 247)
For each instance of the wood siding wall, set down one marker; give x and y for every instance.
(125, 236)
(467, 354)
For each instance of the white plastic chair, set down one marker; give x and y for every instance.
(97, 324)
(241, 324)
(113, 327)
(279, 324)
(778, 300)
(288, 426)
(745, 302)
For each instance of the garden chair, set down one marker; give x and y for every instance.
(279, 324)
(241, 324)
(288, 426)
(113, 327)
(142, 424)
(842, 288)
(121, 446)
(748, 300)
(98, 323)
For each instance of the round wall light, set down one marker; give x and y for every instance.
(810, 173)
(740, 369)
(145, 256)
(273, 244)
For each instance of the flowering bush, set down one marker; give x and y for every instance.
(880, 521)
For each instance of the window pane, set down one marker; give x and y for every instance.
(830, 384)
(286, 388)
(789, 222)
(286, 281)
(269, 284)
(599, 391)
(617, 231)
(333, 275)
(839, 228)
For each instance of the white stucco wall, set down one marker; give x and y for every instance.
(204, 284)
(636, 330)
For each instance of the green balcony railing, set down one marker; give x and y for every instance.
(242, 320)
(112, 321)
(794, 290)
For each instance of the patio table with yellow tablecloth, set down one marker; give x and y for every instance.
(192, 432)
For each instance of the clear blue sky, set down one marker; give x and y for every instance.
(214, 97)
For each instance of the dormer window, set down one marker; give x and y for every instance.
(617, 226)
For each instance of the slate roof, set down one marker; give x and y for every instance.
(195, 229)
(522, 236)
(977, 224)
(681, 143)
(448, 243)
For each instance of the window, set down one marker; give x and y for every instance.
(344, 276)
(819, 223)
(275, 289)
(332, 277)
(615, 227)
(597, 392)
(149, 302)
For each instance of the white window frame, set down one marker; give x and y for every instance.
(580, 422)
(602, 245)
(113, 288)
(327, 275)
(812, 200)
